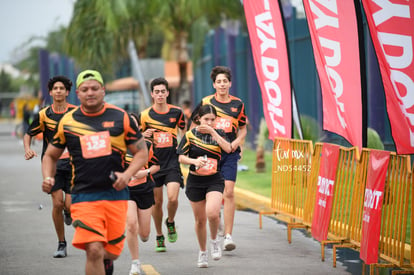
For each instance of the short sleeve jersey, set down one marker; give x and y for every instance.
(145, 184)
(164, 138)
(195, 144)
(97, 144)
(45, 122)
(230, 115)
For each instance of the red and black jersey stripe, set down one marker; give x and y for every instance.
(168, 122)
(232, 110)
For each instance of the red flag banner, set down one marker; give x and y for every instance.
(374, 194)
(324, 196)
(267, 38)
(334, 33)
(391, 24)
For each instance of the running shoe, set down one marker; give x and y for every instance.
(228, 243)
(109, 266)
(67, 217)
(172, 233)
(61, 250)
(215, 249)
(135, 269)
(202, 259)
(160, 244)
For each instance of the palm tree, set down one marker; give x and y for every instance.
(178, 17)
(100, 29)
(98, 33)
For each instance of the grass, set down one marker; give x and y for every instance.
(259, 183)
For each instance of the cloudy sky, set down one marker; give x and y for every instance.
(23, 19)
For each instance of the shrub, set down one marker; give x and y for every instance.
(374, 140)
(310, 129)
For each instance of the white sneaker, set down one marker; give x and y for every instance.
(135, 269)
(228, 243)
(215, 249)
(202, 259)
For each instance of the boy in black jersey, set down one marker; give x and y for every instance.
(161, 123)
(45, 122)
(141, 200)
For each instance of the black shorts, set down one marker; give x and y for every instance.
(144, 200)
(63, 179)
(198, 186)
(173, 175)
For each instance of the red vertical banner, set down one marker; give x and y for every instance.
(391, 24)
(268, 42)
(324, 196)
(374, 195)
(334, 33)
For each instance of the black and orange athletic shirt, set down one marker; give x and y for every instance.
(145, 184)
(230, 115)
(195, 144)
(97, 144)
(164, 138)
(45, 122)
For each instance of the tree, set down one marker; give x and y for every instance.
(5, 82)
(100, 30)
(178, 17)
(30, 61)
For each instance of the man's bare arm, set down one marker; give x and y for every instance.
(49, 162)
(140, 152)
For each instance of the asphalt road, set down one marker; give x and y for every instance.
(28, 240)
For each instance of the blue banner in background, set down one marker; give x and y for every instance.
(52, 64)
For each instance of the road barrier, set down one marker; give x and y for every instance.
(294, 186)
(291, 168)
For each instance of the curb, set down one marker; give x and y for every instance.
(246, 199)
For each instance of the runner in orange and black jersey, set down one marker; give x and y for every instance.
(232, 119)
(143, 184)
(162, 123)
(97, 144)
(195, 144)
(98, 136)
(165, 135)
(141, 200)
(230, 115)
(202, 148)
(45, 122)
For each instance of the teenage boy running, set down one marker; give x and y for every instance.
(160, 123)
(45, 122)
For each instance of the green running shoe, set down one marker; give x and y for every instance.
(172, 233)
(160, 244)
